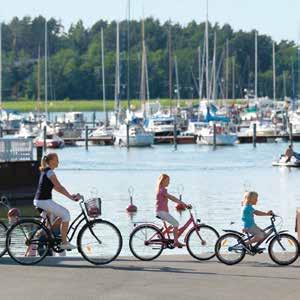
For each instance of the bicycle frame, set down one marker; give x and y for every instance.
(270, 231)
(169, 228)
(73, 227)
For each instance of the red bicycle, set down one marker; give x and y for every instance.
(147, 241)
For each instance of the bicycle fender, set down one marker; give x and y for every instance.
(234, 231)
(272, 236)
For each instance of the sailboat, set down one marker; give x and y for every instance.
(223, 133)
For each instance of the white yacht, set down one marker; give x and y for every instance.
(138, 137)
(28, 130)
(223, 135)
(161, 125)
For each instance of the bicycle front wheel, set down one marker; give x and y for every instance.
(201, 242)
(3, 230)
(99, 242)
(283, 249)
(27, 242)
(146, 242)
(230, 249)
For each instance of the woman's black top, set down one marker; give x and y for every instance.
(45, 186)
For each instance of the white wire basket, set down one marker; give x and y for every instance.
(93, 207)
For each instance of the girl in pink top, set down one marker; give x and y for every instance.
(162, 210)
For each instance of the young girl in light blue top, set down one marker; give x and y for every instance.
(248, 212)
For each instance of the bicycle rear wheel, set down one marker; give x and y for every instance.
(201, 242)
(27, 242)
(99, 242)
(283, 249)
(3, 230)
(146, 242)
(230, 249)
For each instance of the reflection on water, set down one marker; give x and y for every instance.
(214, 182)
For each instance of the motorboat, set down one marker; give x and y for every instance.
(161, 125)
(28, 130)
(52, 141)
(293, 163)
(224, 136)
(137, 136)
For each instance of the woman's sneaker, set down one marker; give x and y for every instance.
(67, 246)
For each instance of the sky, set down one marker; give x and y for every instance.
(278, 18)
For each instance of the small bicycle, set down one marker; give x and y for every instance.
(147, 241)
(232, 247)
(3, 229)
(29, 240)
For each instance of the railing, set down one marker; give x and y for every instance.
(16, 149)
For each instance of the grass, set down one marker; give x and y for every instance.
(86, 105)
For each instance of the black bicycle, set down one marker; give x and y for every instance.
(232, 247)
(3, 227)
(30, 240)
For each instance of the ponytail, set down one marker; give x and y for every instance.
(161, 179)
(45, 160)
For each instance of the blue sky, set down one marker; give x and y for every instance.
(277, 18)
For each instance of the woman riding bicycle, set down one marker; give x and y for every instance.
(43, 196)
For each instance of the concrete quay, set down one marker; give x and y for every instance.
(169, 277)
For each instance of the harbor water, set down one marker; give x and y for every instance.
(214, 182)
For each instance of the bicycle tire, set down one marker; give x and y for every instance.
(141, 244)
(211, 234)
(274, 255)
(3, 230)
(24, 234)
(88, 240)
(227, 258)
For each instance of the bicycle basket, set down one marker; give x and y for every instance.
(93, 207)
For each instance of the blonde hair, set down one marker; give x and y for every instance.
(46, 159)
(161, 180)
(249, 196)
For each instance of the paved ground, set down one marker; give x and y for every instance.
(169, 277)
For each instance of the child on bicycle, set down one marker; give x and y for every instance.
(248, 212)
(162, 210)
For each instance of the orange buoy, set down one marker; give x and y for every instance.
(131, 208)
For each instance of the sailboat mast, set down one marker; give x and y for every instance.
(233, 77)
(128, 57)
(274, 75)
(177, 83)
(255, 65)
(46, 70)
(206, 46)
(227, 70)
(214, 87)
(39, 80)
(170, 68)
(103, 78)
(142, 86)
(117, 78)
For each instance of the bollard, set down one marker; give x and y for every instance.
(94, 119)
(254, 135)
(45, 138)
(214, 136)
(86, 138)
(1, 132)
(39, 153)
(175, 135)
(291, 133)
(127, 136)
